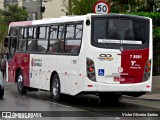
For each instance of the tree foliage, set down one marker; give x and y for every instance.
(14, 13)
(10, 14)
(81, 7)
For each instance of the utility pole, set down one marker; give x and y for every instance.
(69, 7)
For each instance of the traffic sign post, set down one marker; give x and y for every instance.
(101, 7)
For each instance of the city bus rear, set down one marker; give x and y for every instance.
(120, 55)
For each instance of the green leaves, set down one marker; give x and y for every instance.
(11, 13)
(14, 13)
(82, 7)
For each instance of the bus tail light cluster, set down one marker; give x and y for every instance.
(90, 70)
(147, 70)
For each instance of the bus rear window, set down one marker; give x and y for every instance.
(120, 31)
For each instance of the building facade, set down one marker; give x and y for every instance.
(10, 2)
(39, 9)
(34, 8)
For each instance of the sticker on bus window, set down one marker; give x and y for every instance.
(131, 42)
(100, 72)
(108, 41)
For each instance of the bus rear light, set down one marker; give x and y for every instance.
(91, 75)
(147, 70)
(90, 63)
(90, 69)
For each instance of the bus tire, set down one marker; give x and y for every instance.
(1, 93)
(55, 88)
(20, 84)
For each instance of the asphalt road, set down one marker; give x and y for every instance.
(76, 108)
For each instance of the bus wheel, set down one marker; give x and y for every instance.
(1, 93)
(56, 95)
(21, 88)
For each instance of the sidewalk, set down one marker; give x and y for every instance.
(155, 94)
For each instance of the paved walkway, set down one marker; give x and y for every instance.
(150, 96)
(155, 94)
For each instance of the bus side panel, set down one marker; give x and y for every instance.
(19, 61)
(11, 70)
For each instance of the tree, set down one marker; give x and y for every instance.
(10, 14)
(14, 13)
(81, 7)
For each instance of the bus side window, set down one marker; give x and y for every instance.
(53, 44)
(60, 42)
(73, 39)
(22, 40)
(12, 42)
(42, 41)
(31, 45)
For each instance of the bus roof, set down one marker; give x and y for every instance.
(49, 20)
(62, 19)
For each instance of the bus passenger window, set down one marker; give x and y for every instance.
(22, 45)
(60, 32)
(73, 39)
(78, 33)
(42, 45)
(53, 46)
(31, 46)
(70, 31)
(53, 32)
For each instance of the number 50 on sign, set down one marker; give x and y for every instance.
(101, 7)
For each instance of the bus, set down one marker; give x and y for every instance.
(106, 55)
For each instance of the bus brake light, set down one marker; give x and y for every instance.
(90, 69)
(147, 70)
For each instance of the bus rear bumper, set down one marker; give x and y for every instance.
(104, 87)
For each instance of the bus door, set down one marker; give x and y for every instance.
(11, 60)
(11, 51)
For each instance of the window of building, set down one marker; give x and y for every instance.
(27, 0)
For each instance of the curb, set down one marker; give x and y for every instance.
(140, 98)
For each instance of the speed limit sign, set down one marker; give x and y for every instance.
(101, 7)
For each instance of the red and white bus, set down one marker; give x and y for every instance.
(107, 55)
